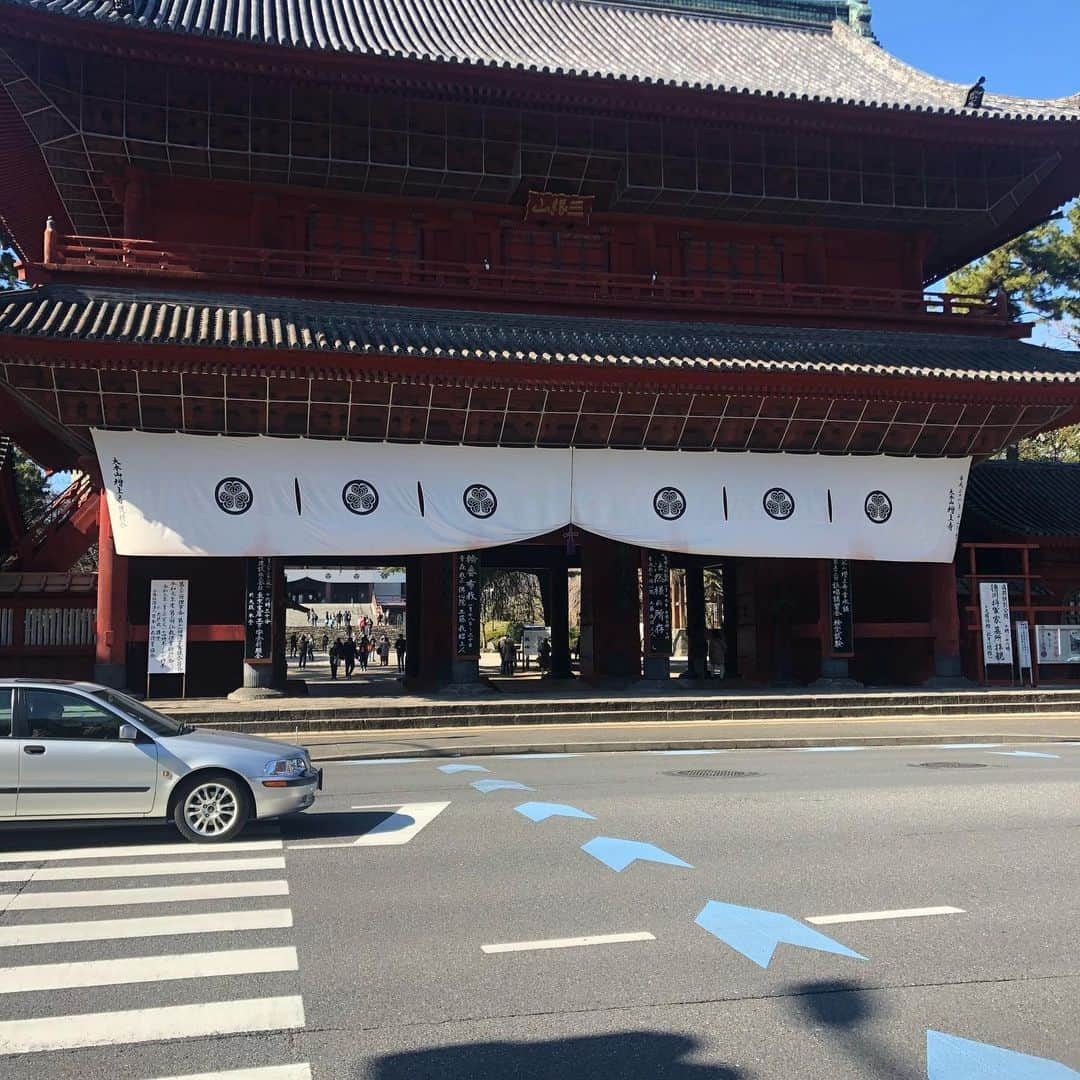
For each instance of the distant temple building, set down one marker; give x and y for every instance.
(632, 287)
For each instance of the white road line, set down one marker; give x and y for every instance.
(399, 828)
(166, 894)
(145, 969)
(213, 922)
(149, 1025)
(272, 1072)
(567, 943)
(118, 851)
(156, 869)
(873, 916)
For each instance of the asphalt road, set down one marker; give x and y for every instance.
(371, 965)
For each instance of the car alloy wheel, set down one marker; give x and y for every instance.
(211, 809)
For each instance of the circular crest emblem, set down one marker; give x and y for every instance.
(359, 497)
(234, 495)
(669, 503)
(480, 500)
(878, 507)
(778, 503)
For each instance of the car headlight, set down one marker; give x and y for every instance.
(290, 766)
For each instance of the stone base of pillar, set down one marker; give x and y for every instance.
(258, 684)
(657, 667)
(948, 674)
(112, 675)
(255, 693)
(465, 671)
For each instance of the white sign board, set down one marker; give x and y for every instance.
(172, 494)
(1058, 644)
(168, 628)
(996, 627)
(1023, 644)
(531, 636)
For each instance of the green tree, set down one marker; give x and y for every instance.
(32, 485)
(1040, 274)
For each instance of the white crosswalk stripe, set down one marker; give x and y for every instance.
(166, 894)
(190, 1003)
(155, 869)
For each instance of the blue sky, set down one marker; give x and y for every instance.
(1024, 48)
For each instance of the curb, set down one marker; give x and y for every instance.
(637, 746)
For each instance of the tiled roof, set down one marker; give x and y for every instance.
(587, 38)
(1025, 498)
(68, 312)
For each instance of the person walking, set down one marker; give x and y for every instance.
(292, 644)
(399, 648)
(384, 650)
(363, 646)
(335, 658)
(348, 654)
(302, 661)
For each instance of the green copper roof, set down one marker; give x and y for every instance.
(793, 12)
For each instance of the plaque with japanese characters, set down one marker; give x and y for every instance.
(841, 619)
(167, 630)
(656, 569)
(467, 603)
(259, 612)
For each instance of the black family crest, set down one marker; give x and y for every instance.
(360, 497)
(234, 495)
(669, 503)
(480, 500)
(778, 503)
(878, 507)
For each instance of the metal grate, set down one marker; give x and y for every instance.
(947, 764)
(719, 774)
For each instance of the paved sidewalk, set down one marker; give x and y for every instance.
(677, 735)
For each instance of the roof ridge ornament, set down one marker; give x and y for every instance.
(859, 18)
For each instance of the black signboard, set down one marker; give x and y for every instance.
(467, 603)
(259, 612)
(656, 570)
(841, 622)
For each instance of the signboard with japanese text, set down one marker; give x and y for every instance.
(841, 619)
(1058, 644)
(467, 603)
(1023, 644)
(554, 204)
(167, 637)
(996, 626)
(656, 569)
(259, 612)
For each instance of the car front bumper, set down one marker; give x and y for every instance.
(286, 796)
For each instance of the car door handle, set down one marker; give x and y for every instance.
(33, 749)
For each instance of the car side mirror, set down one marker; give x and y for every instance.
(129, 733)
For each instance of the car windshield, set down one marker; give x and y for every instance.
(155, 722)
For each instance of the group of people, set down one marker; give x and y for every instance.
(343, 619)
(349, 650)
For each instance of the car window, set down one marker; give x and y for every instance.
(156, 722)
(5, 713)
(56, 714)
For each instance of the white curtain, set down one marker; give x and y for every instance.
(228, 495)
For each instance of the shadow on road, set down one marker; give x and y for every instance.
(854, 1015)
(326, 826)
(632, 1055)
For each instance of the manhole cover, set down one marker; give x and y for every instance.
(724, 774)
(948, 764)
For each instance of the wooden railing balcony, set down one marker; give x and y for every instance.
(424, 281)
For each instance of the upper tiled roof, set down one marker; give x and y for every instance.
(68, 312)
(588, 38)
(1025, 498)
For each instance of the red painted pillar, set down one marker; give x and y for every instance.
(610, 612)
(110, 658)
(945, 621)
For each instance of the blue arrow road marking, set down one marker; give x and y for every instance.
(1022, 753)
(461, 768)
(541, 811)
(484, 786)
(619, 854)
(756, 933)
(948, 1057)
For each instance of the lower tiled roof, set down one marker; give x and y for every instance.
(1025, 498)
(140, 317)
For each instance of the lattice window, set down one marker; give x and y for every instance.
(555, 249)
(731, 261)
(388, 238)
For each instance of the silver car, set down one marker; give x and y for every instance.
(79, 751)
